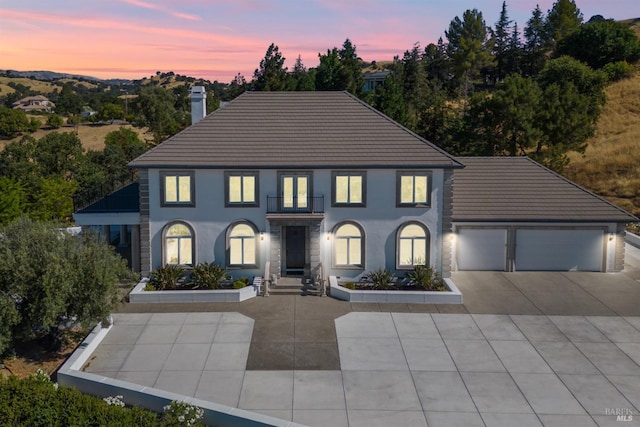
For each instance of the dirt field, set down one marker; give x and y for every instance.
(92, 136)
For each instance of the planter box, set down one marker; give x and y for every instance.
(139, 295)
(453, 296)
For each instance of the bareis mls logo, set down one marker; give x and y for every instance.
(621, 414)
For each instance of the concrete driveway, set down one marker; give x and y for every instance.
(554, 293)
(526, 349)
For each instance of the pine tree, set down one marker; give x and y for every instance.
(536, 43)
(271, 76)
(502, 43)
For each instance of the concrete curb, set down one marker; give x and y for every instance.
(139, 295)
(454, 296)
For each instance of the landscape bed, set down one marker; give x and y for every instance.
(452, 296)
(140, 295)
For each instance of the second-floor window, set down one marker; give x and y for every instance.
(349, 188)
(177, 188)
(241, 189)
(413, 189)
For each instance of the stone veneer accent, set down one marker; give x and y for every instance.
(145, 239)
(447, 227)
(618, 264)
(275, 241)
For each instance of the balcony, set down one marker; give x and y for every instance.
(295, 205)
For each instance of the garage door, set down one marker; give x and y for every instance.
(481, 249)
(559, 250)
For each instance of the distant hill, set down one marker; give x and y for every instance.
(53, 75)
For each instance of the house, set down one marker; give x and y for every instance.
(34, 103)
(301, 179)
(373, 79)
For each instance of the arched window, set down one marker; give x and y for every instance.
(178, 244)
(412, 245)
(242, 245)
(348, 245)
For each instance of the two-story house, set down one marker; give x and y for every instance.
(303, 178)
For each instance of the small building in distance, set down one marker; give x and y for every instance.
(34, 103)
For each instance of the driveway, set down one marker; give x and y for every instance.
(554, 293)
(526, 349)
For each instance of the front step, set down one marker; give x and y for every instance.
(292, 286)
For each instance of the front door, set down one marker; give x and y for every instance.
(295, 246)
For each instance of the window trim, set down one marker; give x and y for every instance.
(335, 175)
(165, 230)
(363, 246)
(228, 246)
(255, 203)
(296, 173)
(413, 173)
(192, 189)
(399, 265)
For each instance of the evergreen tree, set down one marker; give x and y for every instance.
(414, 85)
(469, 47)
(536, 43)
(302, 79)
(328, 75)
(502, 43)
(563, 19)
(600, 43)
(351, 69)
(271, 76)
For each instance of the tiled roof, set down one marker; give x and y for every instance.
(296, 130)
(519, 189)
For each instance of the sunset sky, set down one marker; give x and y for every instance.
(216, 39)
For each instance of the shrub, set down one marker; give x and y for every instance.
(350, 285)
(208, 275)
(618, 70)
(165, 277)
(182, 414)
(426, 278)
(242, 282)
(36, 401)
(381, 278)
(55, 121)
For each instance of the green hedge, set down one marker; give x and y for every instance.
(36, 401)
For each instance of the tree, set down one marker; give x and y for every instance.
(563, 19)
(536, 43)
(351, 69)
(13, 200)
(302, 80)
(469, 47)
(120, 147)
(506, 123)
(48, 277)
(271, 76)
(111, 112)
(600, 43)
(68, 102)
(328, 71)
(12, 122)
(59, 154)
(502, 43)
(237, 86)
(414, 85)
(573, 95)
(437, 64)
(55, 121)
(156, 110)
(389, 97)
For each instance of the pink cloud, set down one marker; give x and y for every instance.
(146, 5)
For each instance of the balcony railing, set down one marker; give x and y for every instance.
(311, 204)
(116, 195)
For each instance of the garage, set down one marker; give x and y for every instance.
(482, 249)
(513, 214)
(559, 250)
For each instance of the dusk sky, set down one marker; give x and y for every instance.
(216, 39)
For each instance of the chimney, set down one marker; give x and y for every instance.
(198, 104)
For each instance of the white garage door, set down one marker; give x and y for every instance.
(559, 250)
(481, 249)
